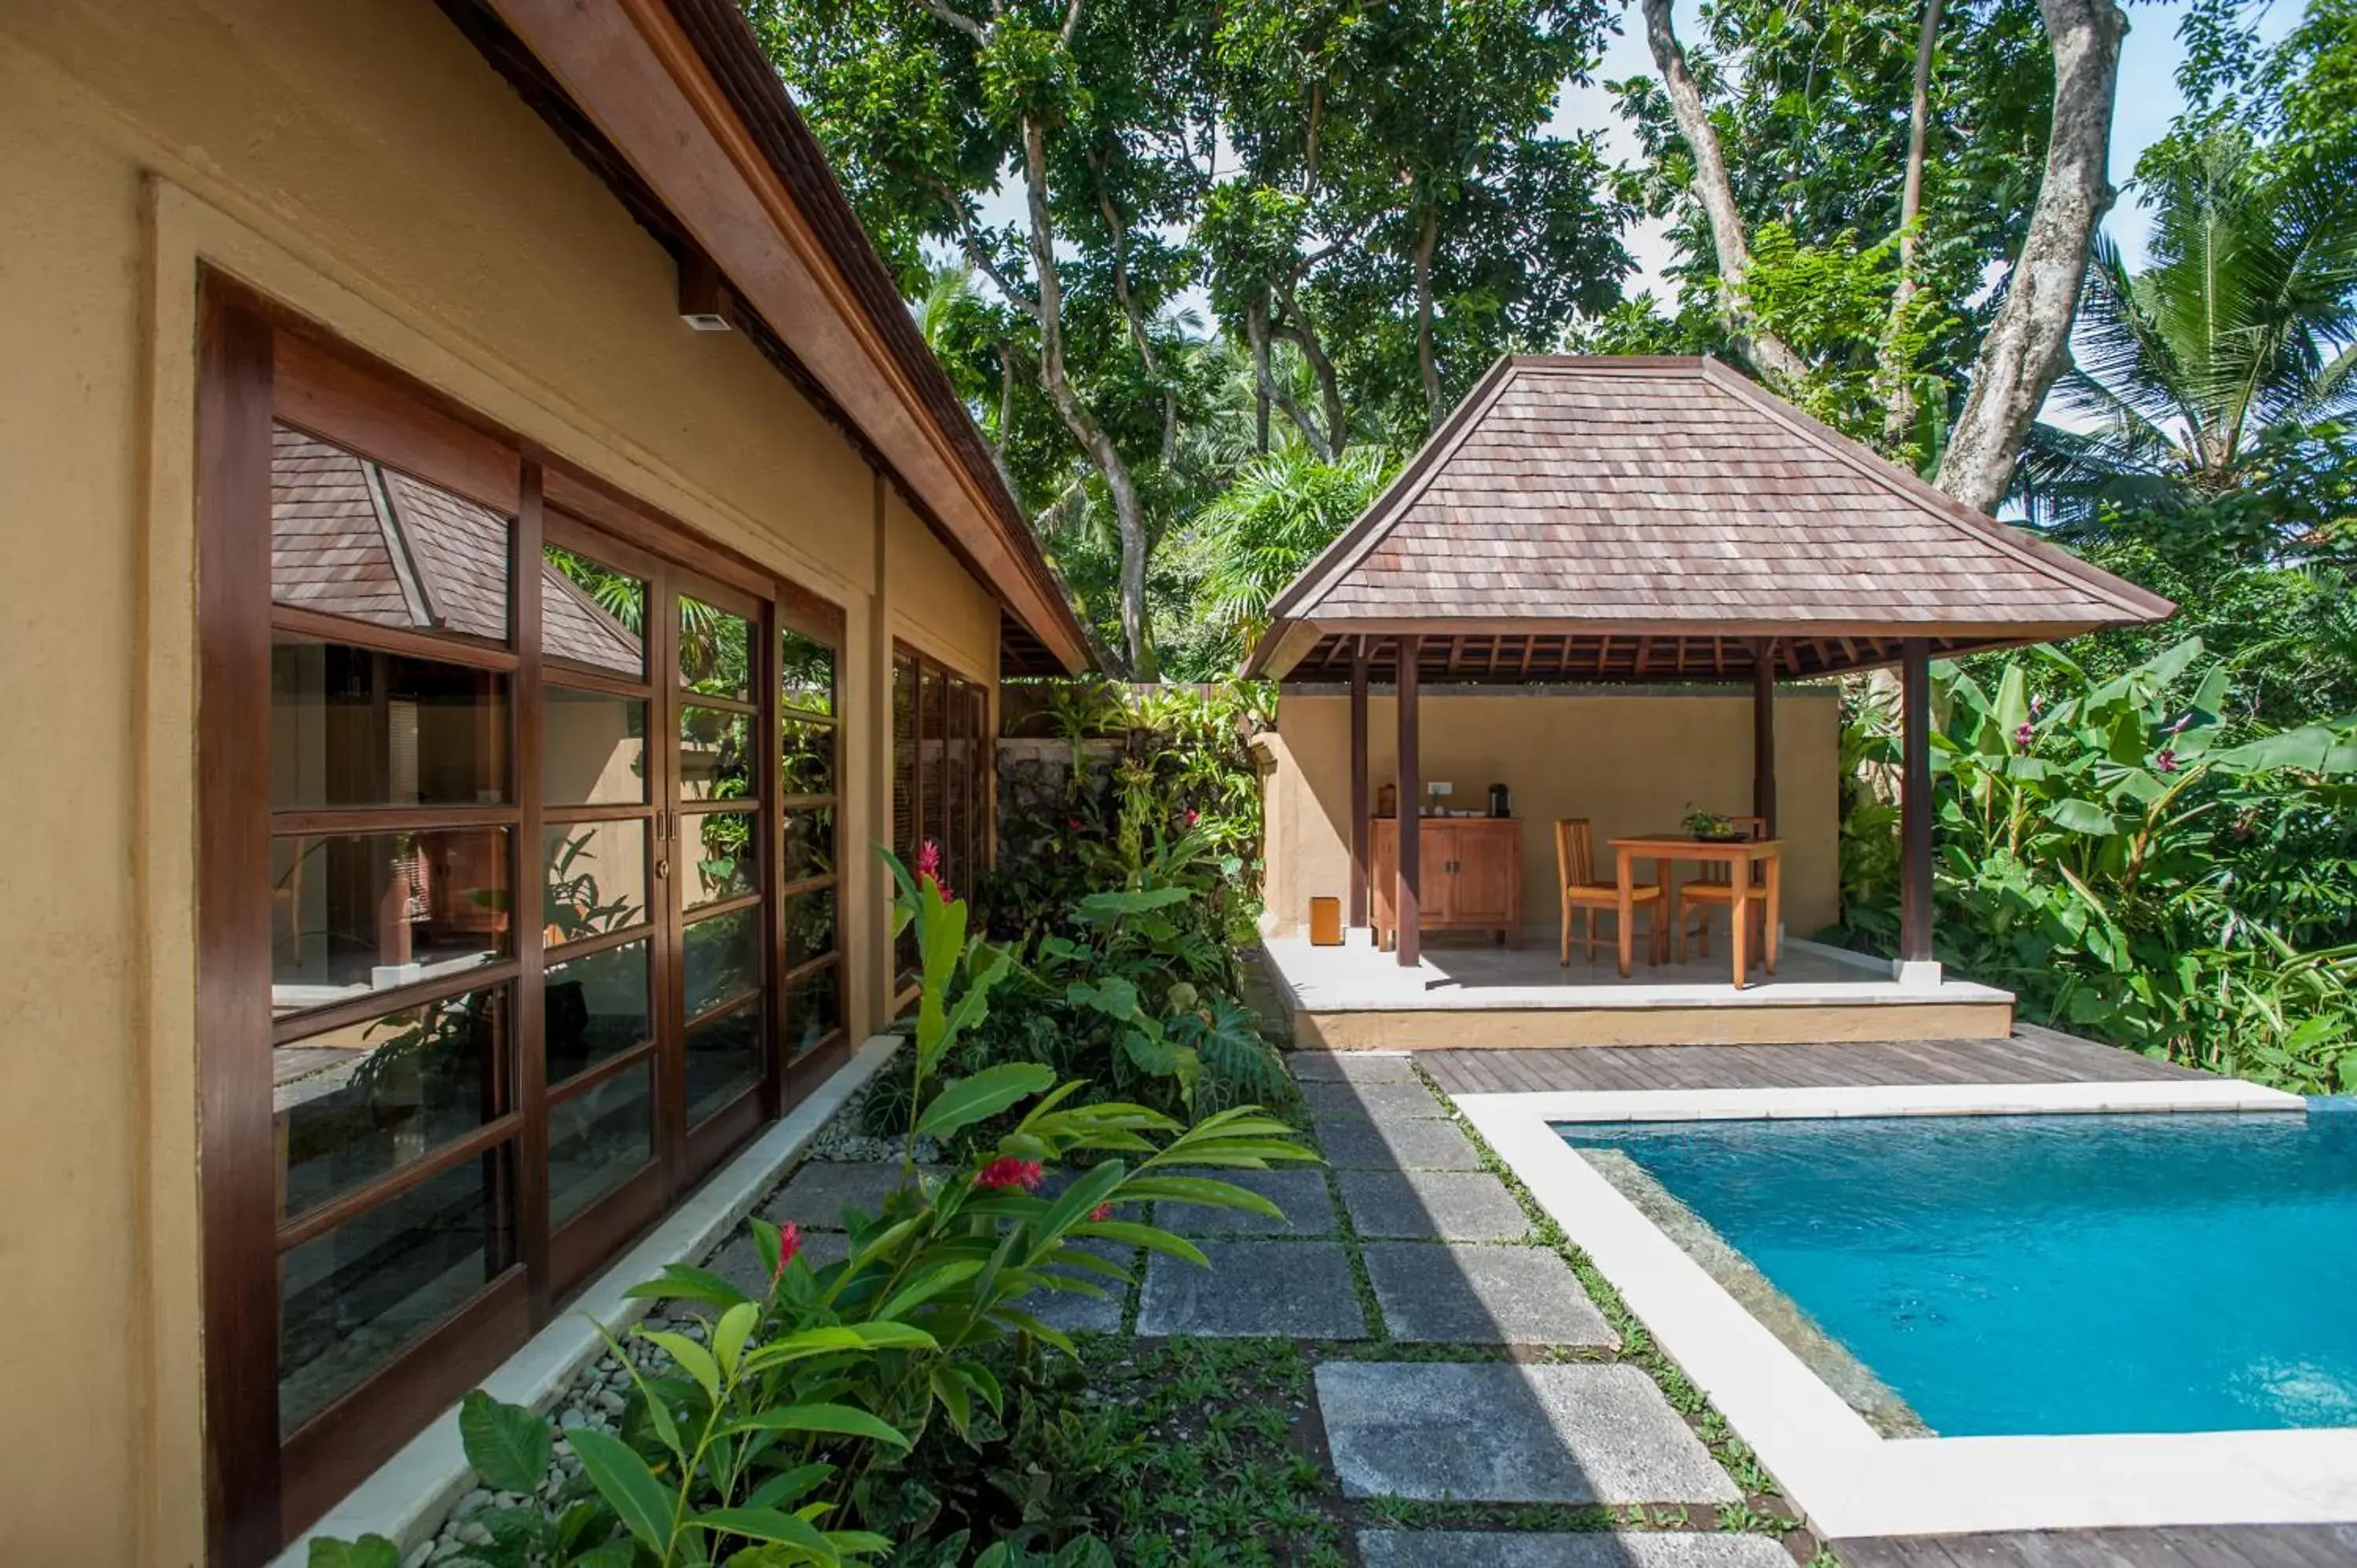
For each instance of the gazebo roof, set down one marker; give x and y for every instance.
(1644, 518)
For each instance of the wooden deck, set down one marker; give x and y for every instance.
(2033, 1055)
(2216, 1546)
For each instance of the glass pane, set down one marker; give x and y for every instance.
(591, 613)
(805, 673)
(595, 878)
(593, 750)
(716, 755)
(723, 959)
(351, 537)
(724, 1059)
(356, 1103)
(363, 912)
(351, 726)
(809, 847)
(597, 1139)
(934, 747)
(809, 926)
(806, 757)
(904, 761)
(719, 855)
(714, 651)
(353, 1299)
(596, 1007)
(813, 1010)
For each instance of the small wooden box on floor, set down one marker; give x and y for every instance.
(1469, 875)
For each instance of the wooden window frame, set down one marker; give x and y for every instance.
(259, 365)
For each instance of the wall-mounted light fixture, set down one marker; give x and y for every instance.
(702, 294)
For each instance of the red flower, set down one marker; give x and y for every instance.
(1193, 816)
(929, 863)
(2166, 761)
(790, 1241)
(1074, 823)
(1101, 1213)
(1009, 1171)
(2023, 737)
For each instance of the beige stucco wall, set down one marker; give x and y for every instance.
(357, 161)
(1630, 762)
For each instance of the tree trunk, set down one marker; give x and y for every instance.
(2029, 342)
(1898, 384)
(1716, 192)
(1426, 365)
(1128, 507)
(1270, 390)
(1299, 330)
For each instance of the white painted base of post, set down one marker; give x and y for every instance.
(1916, 974)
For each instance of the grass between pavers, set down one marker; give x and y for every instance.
(1763, 1511)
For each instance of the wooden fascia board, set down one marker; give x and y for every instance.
(1279, 642)
(629, 67)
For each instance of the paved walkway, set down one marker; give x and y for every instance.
(1461, 1368)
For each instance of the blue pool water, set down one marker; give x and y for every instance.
(2024, 1274)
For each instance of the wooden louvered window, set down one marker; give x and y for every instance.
(942, 758)
(517, 902)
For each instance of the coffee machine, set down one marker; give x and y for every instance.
(1501, 804)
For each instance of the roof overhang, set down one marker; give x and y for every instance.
(676, 101)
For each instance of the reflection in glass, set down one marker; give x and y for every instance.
(597, 1139)
(809, 926)
(715, 651)
(805, 673)
(813, 1010)
(716, 754)
(353, 1299)
(591, 613)
(355, 1103)
(351, 537)
(594, 878)
(593, 748)
(722, 958)
(361, 912)
(352, 727)
(808, 849)
(719, 858)
(724, 1059)
(597, 1006)
(806, 757)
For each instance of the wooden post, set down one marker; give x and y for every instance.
(1359, 829)
(1915, 804)
(1411, 788)
(1763, 734)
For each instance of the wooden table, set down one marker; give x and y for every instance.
(1738, 856)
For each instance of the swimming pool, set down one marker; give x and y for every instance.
(2047, 1274)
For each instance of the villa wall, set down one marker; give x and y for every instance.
(1632, 761)
(359, 163)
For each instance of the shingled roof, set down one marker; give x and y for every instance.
(351, 537)
(1642, 519)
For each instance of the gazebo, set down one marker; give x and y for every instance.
(1663, 520)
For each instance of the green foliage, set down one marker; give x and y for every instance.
(1272, 522)
(2113, 852)
(775, 1439)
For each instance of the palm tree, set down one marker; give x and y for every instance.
(2193, 375)
(1281, 509)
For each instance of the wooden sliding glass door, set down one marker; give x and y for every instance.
(516, 897)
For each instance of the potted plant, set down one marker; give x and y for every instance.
(1710, 828)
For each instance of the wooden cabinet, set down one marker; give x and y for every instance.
(1471, 875)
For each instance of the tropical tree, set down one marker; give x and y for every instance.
(2221, 368)
(1281, 509)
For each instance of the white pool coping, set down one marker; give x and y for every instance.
(406, 1498)
(1848, 1480)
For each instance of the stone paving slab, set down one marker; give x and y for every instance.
(1349, 1067)
(819, 1192)
(1591, 1549)
(1434, 1206)
(1501, 1432)
(1433, 1293)
(1289, 1289)
(1355, 1142)
(1299, 1190)
(1076, 1312)
(1373, 1101)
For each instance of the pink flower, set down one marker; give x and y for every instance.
(1074, 823)
(790, 1241)
(929, 865)
(2166, 761)
(1193, 816)
(2023, 735)
(1101, 1213)
(1007, 1171)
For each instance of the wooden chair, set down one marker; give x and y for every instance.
(1711, 890)
(1574, 862)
